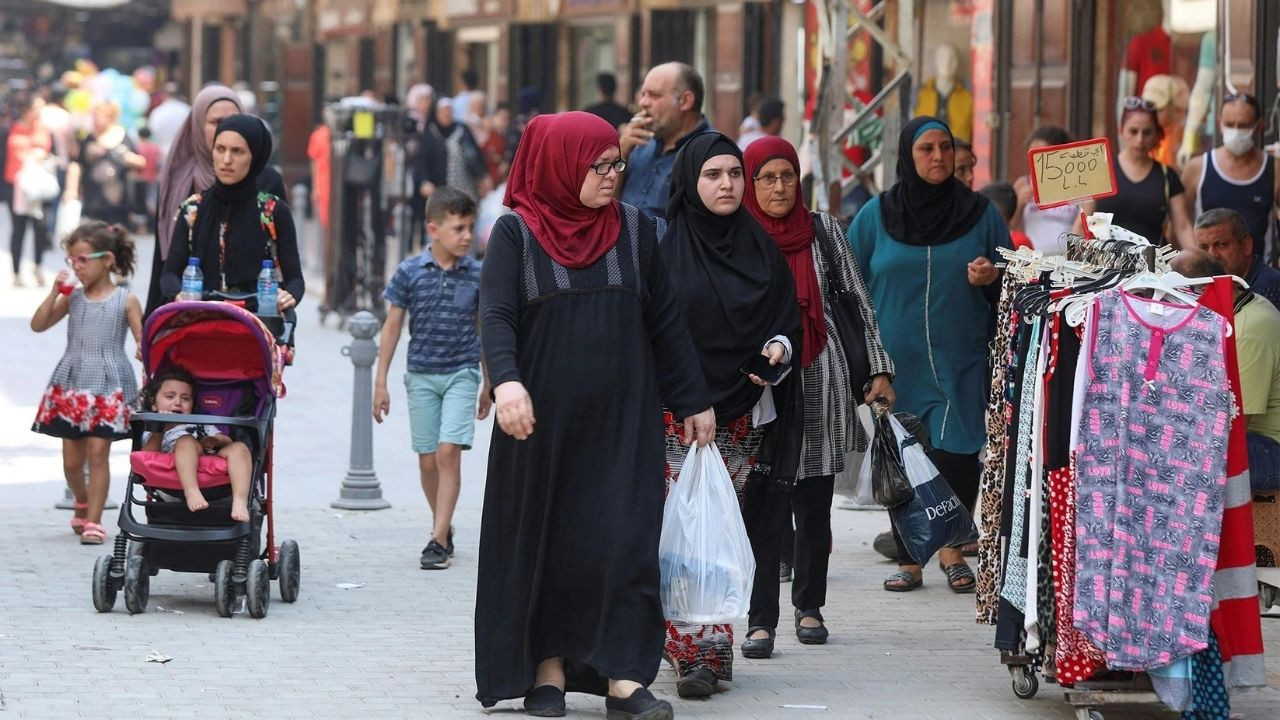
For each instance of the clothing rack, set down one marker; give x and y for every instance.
(1035, 289)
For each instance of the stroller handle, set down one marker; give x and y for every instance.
(281, 326)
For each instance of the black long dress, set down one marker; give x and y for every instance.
(569, 542)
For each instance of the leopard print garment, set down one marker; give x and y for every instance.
(991, 484)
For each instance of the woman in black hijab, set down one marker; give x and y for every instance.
(232, 227)
(928, 247)
(738, 298)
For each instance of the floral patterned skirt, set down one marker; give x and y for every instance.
(74, 414)
(689, 646)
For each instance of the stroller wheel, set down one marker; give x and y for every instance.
(258, 588)
(224, 591)
(104, 591)
(290, 571)
(137, 585)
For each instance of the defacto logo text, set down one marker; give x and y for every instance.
(943, 508)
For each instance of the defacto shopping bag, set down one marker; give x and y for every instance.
(934, 518)
(704, 554)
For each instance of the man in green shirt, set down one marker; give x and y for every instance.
(1257, 338)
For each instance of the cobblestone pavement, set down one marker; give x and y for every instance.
(400, 644)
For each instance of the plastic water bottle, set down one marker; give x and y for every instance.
(268, 292)
(192, 281)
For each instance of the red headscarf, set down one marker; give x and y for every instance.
(794, 234)
(546, 181)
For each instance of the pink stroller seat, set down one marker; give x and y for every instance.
(157, 471)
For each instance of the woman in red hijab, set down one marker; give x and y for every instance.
(824, 268)
(583, 344)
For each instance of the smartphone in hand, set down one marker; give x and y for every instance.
(760, 367)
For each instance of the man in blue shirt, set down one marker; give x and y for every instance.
(670, 114)
(440, 292)
(1224, 234)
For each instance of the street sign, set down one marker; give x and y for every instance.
(1063, 174)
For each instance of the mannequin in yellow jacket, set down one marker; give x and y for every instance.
(944, 97)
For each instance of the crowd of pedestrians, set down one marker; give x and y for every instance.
(641, 261)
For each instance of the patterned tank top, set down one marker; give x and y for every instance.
(1151, 468)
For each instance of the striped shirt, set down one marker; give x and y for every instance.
(442, 306)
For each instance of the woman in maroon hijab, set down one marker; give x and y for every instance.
(583, 343)
(818, 263)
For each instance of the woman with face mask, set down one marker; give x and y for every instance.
(1148, 199)
(1237, 175)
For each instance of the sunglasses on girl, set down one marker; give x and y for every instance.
(74, 260)
(1136, 103)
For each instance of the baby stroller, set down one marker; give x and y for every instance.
(238, 363)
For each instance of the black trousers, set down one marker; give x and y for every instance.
(20, 223)
(767, 513)
(962, 473)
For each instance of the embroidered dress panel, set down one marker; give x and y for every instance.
(1152, 471)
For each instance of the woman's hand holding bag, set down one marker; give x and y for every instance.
(705, 557)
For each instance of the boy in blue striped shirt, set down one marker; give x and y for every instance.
(440, 292)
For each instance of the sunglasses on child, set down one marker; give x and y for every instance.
(74, 260)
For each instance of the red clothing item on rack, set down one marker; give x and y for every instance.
(1235, 618)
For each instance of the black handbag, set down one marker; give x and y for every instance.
(846, 312)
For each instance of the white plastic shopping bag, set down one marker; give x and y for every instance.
(704, 554)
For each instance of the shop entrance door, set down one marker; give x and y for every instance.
(1047, 48)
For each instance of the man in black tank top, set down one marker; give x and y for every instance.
(1238, 175)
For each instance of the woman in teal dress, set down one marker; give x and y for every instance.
(927, 247)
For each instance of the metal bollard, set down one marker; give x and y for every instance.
(360, 488)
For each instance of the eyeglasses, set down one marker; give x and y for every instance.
(787, 179)
(602, 168)
(74, 260)
(1134, 102)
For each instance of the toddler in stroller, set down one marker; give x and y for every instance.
(172, 390)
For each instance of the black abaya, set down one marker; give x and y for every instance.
(569, 542)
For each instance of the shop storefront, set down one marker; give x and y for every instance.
(599, 37)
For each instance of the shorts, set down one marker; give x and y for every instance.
(442, 408)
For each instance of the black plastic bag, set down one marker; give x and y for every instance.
(890, 485)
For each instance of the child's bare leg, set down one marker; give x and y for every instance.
(186, 460)
(98, 452)
(74, 454)
(429, 476)
(239, 467)
(448, 487)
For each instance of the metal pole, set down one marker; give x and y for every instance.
(360, 488)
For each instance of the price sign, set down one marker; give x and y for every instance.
(1062, 174)
(362, 125)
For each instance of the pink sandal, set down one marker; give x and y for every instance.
(77, 523)
(93, 534)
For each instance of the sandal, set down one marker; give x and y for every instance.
(910, 582)
(93, 534)
(955, 574)
(77, 523)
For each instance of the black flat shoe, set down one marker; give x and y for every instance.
(544, 701)
(758, 648)
(699, 682)
(810, 635)
(642, 705)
